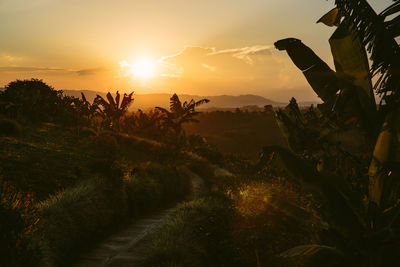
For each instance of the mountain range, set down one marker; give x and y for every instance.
(147, 101)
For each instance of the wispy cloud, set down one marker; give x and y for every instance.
(7, 58)
(92, 71)
(31, 69)
(245, 53)
(210, 68)
(255, 67)
(51, 70)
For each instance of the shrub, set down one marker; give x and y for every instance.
(76, 217)
(195, 234)
(33, 100)
(201, 167)
(9, 128)
(269, 218)
(18, 221)
(151, 185)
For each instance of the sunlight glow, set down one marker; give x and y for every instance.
(143, 69)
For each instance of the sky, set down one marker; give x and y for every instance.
(199, 47)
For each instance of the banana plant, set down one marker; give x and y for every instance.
(112, 110)
(180, 113)
(348, 92)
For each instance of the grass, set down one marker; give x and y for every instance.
(10, 128)
(44, 160)
(196, 234)
(74, 219)
(153, 184)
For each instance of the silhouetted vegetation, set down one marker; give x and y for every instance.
(347, 146)
(324, 192)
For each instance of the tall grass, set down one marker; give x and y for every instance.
(72, 219)
(195, 234)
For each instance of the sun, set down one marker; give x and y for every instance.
(143, 69)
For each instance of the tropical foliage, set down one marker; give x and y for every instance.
(112, 109)
(349, 113)
(180, 113)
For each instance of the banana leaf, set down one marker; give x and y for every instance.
(318, 74)
(352, 69)
(331, 18)
(384, 168)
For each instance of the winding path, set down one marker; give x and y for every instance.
(120, 249)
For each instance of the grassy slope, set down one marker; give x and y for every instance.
(79, 198)
(43, 160)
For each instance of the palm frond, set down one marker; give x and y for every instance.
(110, 100)
(127, 100)
(201, 102)
(175, 104)
(117, 98)
(83, 97)
(380, 43)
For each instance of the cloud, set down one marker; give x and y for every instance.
(30, 69)
(8, 58)
(92, 71)
(210, 68)
(198, 61)
(255, 68)
(50, 70)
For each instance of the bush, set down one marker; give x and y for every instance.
(76, 217)
(201, 167)
(18, 221)
(33, 100)
(197, 233)
(151, 185)
(9, 128)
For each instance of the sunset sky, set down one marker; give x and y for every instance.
(198, 47)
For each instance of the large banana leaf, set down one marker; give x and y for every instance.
(384, 169)
(318, 74)
(352, 68)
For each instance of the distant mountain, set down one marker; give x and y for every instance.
(151, 100)
(147, 101)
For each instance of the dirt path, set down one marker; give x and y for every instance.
(120, 249)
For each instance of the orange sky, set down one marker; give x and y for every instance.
(198, 47)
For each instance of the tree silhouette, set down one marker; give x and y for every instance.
(180, 113)
(112, 110)
(35, 101)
